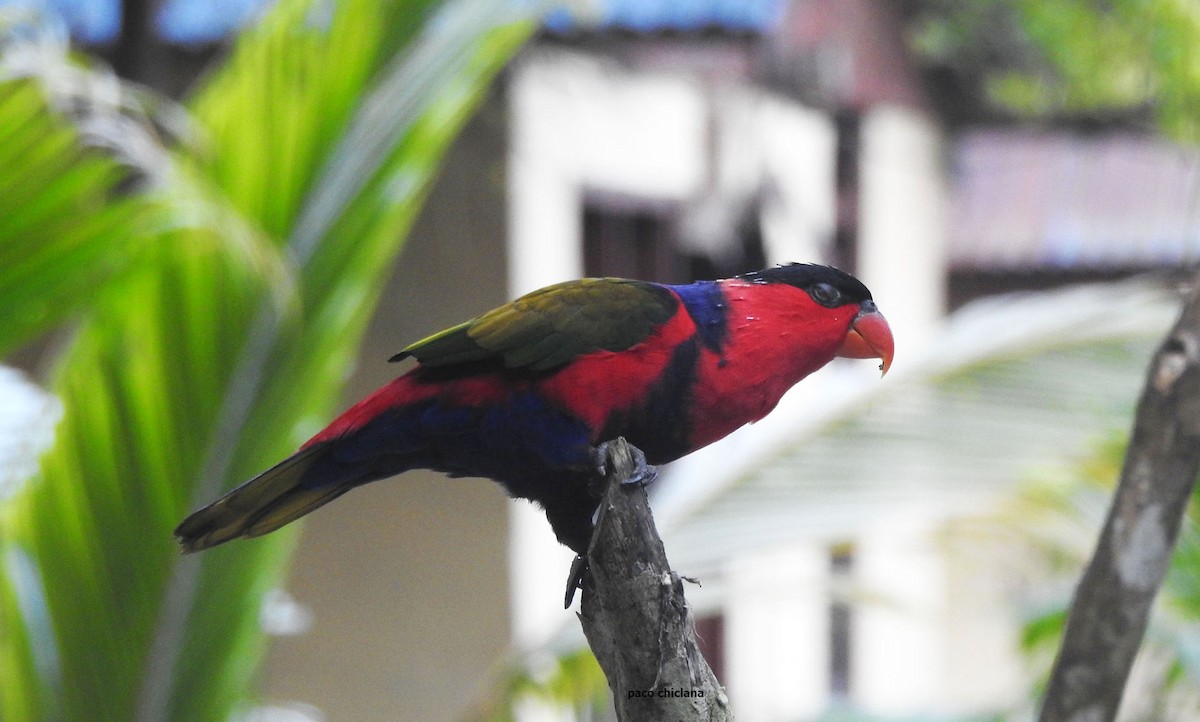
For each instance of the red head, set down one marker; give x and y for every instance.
(869, 335)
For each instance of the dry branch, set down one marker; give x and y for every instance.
(634, 613)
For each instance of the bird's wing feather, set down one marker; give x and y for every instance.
(547, 328)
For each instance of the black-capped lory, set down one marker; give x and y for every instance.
(526, 394)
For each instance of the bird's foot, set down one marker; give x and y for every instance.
(575, 578)
(643, 473)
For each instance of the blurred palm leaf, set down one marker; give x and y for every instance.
(65, 228)
(316, 144)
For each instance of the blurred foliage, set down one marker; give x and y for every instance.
(1093, 58)
(217, 288)
(65, 190)
(572, 681)
(1049, 530)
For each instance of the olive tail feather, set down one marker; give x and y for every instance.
(262, 504)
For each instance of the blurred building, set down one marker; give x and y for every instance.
(676, 139)
(656, 144)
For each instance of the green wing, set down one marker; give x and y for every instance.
(549, 327)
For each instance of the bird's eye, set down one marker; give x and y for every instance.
(825, 294)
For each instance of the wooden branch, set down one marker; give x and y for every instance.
(1112, 602)
(634, 614)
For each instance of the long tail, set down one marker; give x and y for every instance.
(263, 504)
(371, 440)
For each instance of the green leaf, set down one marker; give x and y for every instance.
(64, 229)
(194, 364)
(1106, 58)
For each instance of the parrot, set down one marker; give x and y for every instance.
(529, 393)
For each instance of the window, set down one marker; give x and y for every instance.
(631, 239)
(841, 621)
(630, 242)
(710, 633)
(848, 157)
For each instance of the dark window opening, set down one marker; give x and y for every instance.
(841, 621)
(630, 243)
(631, 239)
(710, 634)
(844, 253)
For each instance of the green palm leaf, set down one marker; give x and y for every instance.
(318, 141)
(65, 229)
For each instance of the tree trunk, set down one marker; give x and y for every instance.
(1112, 602)
(634, 614)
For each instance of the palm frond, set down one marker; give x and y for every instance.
(236, 304)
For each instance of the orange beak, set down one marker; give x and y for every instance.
(869, 337)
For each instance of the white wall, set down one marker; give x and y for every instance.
(931, 629)
(583, 122)
(902, 207)
(777, 634)
(797, 147)
(580, 121)
(899, 643)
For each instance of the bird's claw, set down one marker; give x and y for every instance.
(643, 473)
(600, 459)
(575, 577)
